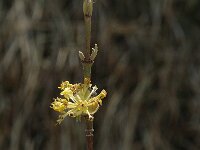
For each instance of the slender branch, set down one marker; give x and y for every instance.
(88, 35)
(87, 11)
(87, 63)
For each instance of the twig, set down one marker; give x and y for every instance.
(87, 62)
(89, 134)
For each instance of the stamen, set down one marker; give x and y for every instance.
(94, 88)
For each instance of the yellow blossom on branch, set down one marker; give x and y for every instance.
(79, 100)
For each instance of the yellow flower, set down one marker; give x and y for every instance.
(67, 93)
(64, 85)
(59, 104)
(79, 100)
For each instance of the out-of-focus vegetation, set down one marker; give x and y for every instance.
(149, 62)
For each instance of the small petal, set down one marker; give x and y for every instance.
(67, 93)
(59, 105)
(64, 85)
(93, 107)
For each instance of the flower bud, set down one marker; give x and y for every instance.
(87, 7)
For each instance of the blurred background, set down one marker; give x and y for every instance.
(148, 61)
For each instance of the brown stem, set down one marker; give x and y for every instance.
(89, 134)
(87, 63)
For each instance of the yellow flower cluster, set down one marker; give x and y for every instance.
(79, 100)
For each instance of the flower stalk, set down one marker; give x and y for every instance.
(87, 63)
(80, 100)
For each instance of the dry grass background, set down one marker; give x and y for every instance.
(149, 62)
